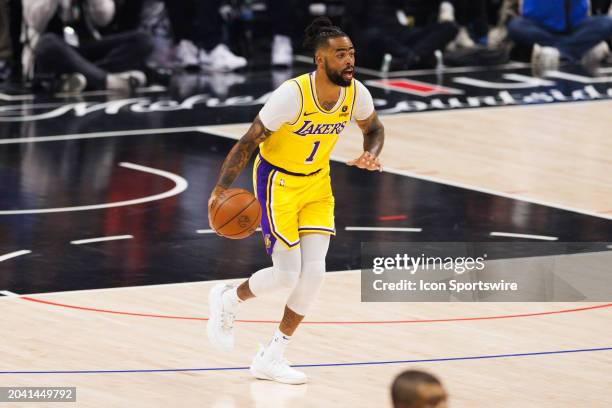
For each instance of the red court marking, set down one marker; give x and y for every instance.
(392, 217)
(456, 319)
(413, 86)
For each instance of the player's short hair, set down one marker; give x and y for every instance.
(404, 387)
(319, 31)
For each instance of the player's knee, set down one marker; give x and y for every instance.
(314, 271)
(305, 293)
(288, 277)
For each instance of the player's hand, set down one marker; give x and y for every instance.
(366, 161)
(216, 194)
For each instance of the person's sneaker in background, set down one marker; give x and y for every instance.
(222, 59)
(73, 83)
(187, 54)
(282, 51)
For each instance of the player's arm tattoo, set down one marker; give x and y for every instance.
(373, 134)
(242, 151)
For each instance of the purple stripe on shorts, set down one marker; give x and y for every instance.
(263, 172)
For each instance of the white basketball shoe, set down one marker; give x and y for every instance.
(220, 326)
(265, 367)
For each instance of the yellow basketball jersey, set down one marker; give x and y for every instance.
(305, 145)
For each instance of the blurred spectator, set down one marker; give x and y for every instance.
(408, 30)
(599, 7)
(282, 50)
(65, 51)
(499, 34)
(417, 389)
(471, 16)
(560, 29)
(198, 31)
(5, 40)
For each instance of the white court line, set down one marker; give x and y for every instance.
(95, 135)
(14, 254)
(209, 231)
(528, 236)
(101, 239)
(29, 97)
(213, 130)
(180, 186)
(391, 229)
(8, 294)
(162, 285)
(143, 90)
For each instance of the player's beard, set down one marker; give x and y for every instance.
(336, 76)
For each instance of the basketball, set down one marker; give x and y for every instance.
(236, 214)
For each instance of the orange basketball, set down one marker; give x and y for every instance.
(236, 214)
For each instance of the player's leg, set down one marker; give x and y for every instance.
(315, 224)
(269, 363)
(225, 299)
(277, 195)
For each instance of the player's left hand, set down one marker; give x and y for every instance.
(366, 161)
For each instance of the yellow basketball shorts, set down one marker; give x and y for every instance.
(292, 204)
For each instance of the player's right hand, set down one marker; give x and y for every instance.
(216, 194)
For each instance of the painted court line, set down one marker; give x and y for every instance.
(527, 236)
(100, 239)
(209, 231)
(14, 254)
(180, 186)
(8, 294)
(390, 229)
(345, 322)
(213, 129)
(95, 135)
(347, 364)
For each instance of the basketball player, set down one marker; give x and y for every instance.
(295, 131)
(417, 389)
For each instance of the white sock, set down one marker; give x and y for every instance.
(231, 299)
(278, 344)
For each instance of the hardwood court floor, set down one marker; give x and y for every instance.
(56, 338)
(558, 154)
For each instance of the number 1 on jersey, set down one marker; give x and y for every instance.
(314, 151)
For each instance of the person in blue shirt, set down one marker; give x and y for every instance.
(561, 30)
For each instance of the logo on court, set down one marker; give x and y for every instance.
(413, 87)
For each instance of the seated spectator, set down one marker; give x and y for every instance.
(471, 16)
(280, 12)
(599, 7)
(411, 42)
(66, 52)
(5, 40)
(198, 30)
(557, 33)
(417, 389)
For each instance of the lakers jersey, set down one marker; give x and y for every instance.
(305, 145)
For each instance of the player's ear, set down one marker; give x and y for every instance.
(320, 56)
